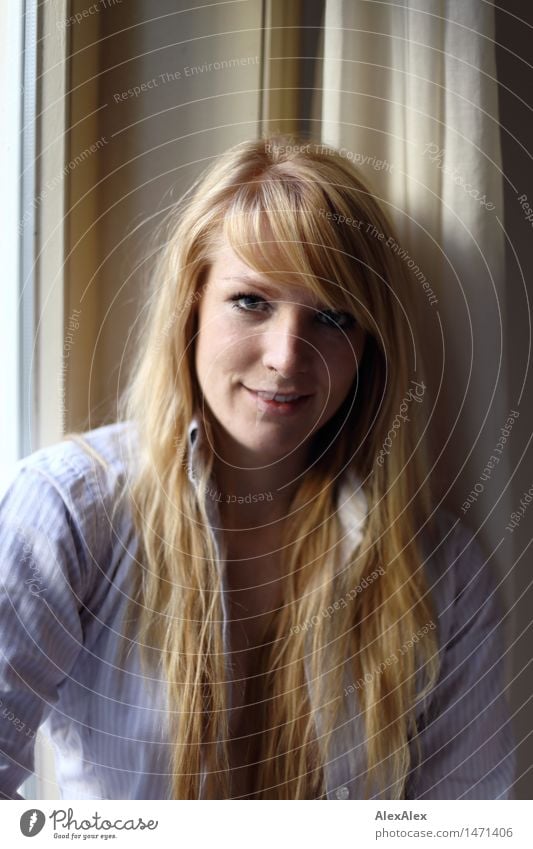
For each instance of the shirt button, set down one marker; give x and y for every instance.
(342, 792)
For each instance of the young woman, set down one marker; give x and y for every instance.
(243, 588)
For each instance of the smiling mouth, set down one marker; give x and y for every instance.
(280, 397)
(280, 402)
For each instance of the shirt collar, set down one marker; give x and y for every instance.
(352, 504)
(196, 441)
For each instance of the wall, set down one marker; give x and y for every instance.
(514, 28)
(175, 86)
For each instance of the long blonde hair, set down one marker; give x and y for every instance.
(305, 198)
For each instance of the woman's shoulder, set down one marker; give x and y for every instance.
(461, 576)
(451, 548)
(57, 509)
(85, 472)
(101, 453)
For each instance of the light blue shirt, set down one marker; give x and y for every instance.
(65, 573)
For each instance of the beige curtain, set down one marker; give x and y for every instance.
(410, 93)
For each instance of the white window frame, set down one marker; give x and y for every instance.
(33, 82)
(11, 40)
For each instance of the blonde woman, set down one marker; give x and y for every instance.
(243, 588)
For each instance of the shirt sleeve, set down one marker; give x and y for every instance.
(42, 568)
(467, 744)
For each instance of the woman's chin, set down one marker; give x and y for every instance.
(261, 452)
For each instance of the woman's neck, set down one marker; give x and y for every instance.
(259, 494)
(249, 501)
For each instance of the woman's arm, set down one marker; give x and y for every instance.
(467, 743)
(42, 569)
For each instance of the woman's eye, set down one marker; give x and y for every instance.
(339, 320)
(252, 302)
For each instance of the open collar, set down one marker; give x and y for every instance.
(352, 504)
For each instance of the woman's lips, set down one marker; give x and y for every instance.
(266, 405)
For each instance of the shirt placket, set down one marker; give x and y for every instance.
(347, 756)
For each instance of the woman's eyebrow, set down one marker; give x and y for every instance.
(253, 281)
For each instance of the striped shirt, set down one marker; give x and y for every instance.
(65, 572)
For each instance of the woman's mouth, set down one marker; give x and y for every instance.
(278, 402)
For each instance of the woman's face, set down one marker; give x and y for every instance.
(256, 336)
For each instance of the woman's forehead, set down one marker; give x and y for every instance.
(278, 282)
(248, 261)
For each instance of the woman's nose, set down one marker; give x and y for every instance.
(285, 344)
